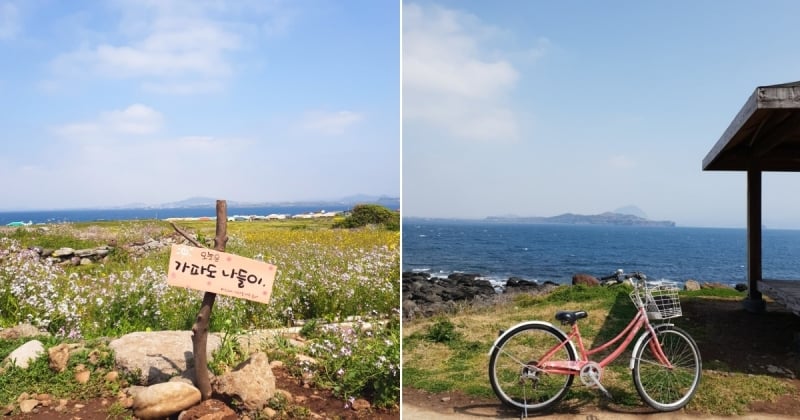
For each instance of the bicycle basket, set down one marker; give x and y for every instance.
(660, 299)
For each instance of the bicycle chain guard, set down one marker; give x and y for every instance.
(590, 374)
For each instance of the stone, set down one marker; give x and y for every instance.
(83, 376)
(286, 394)
(111, 376)
(361, 404)
(85, 261)
(585, 279)
(26, 353)
(164, 400)
(63, 253)
(59, 356)
(691, 285)
(20, 331)
(269, 413)
(520, 282)
(94, 357)
(26, 406)
(209, 410)
(125, 402)
(251, 382)
(158, 355)
(303, 359)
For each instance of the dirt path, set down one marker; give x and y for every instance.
(419, 405)
(412, 412)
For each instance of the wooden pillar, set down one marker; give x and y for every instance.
(754, 301)
(200, 328)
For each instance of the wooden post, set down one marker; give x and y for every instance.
(754, 302)
(200, 328)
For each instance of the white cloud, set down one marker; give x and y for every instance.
(172, 47)
(450, 78)
(330, 123)
(10, 24)
(136, 119)
(130, 150)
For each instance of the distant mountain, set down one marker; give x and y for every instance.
(607, 218)
(632, 210)
(386, 201)
(190, 202)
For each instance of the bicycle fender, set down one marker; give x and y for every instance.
(640, 341)
(557, 330)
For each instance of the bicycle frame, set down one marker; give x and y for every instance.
(627, 335)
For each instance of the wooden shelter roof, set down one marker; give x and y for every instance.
(764, 135)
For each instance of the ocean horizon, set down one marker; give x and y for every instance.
(550, 252)
(94, 215)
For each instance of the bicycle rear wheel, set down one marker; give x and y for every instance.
(661, 387)
(512, 368)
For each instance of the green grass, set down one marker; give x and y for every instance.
(460, 362)
(323, 273)
(38, 378)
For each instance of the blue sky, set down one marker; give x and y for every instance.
(538, 108)
(128, 101)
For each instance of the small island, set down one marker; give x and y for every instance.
(607, 218)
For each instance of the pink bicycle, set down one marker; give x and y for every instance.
(533, 364)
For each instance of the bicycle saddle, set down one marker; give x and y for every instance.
(569, 317)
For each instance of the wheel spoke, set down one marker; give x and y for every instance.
(668, 388)
(513, 370)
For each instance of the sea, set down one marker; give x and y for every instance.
(541, 252)
(91, 215)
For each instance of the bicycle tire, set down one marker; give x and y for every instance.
(663, 388)
(510, 360)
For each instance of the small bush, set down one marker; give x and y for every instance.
(370, 214)
(442, 331)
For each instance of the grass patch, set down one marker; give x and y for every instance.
(460, 363)
(38, 378)
(729, 393)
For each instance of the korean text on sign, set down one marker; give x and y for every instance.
(220, 272)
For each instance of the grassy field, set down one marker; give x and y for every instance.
(450, 353)
(324, 275)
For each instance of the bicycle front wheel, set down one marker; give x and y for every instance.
(662, 387)
(513, 367)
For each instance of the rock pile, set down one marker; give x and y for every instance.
(157, 356)
(424, 295)
(74, 256)
(87, 256)
(140, 248)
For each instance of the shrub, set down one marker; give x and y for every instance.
(442, 331)
(371, 214)
(362, 359)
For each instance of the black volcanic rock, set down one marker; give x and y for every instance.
(425, 295)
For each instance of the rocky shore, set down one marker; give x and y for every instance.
(424, 295)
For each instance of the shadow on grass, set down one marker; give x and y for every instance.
(729, 337)
(733, 339)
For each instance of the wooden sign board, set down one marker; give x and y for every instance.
(219, 272)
